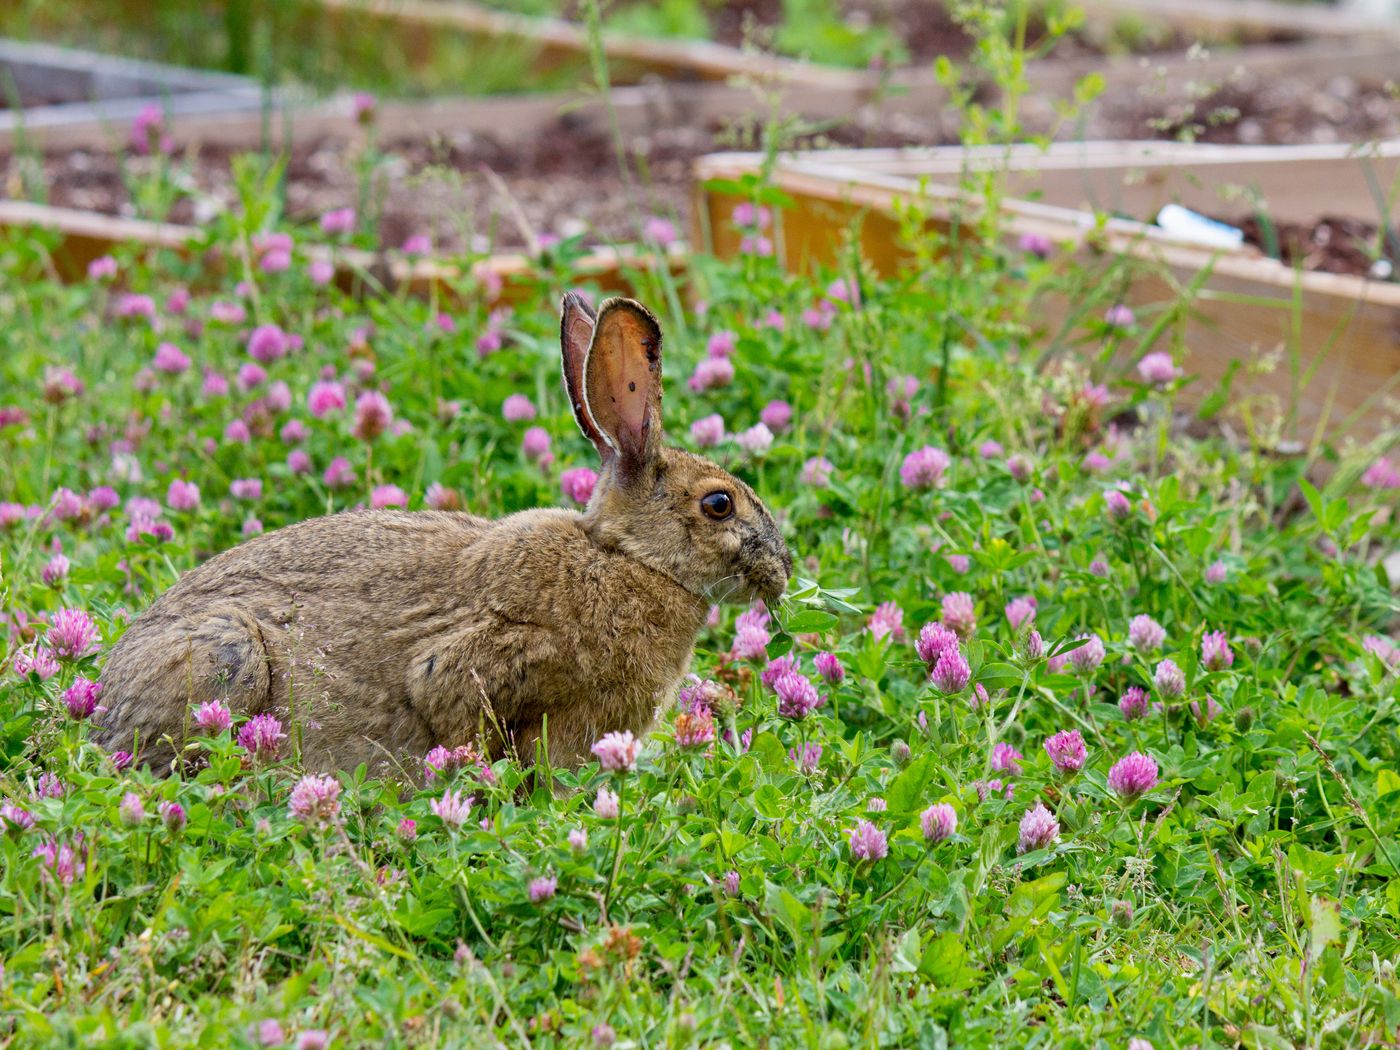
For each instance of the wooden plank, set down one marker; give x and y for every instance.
(1289, 183)
(102, 123)
(1247, 309)
(820, 179)
(1114, 153)
(85, 236)
(1249, 16)
(81, 76)
(103, 90)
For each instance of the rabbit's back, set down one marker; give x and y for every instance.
(343, 577)
(316, 620)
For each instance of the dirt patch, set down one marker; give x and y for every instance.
(1253, 110)
(929, 30)
(1332, 245)
(463, 191)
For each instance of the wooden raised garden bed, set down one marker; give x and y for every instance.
(856, 107)
(1335, 337)
(59, 88)
(1255, 37)
(918, 104)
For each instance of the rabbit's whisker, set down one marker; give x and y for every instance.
(713, 589)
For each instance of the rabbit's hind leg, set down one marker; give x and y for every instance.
(228, 660)
(161, 669)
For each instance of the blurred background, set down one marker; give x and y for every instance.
(491, 126)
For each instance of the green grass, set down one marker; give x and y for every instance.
(293, 42)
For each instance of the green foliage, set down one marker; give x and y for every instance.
(268, 40)
(683, 18)
(814, 29)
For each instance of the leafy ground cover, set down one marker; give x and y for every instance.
(1076, 728)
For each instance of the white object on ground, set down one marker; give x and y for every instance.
(1188, 225)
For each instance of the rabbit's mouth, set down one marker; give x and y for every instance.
(744, 587)
(762, 571)
(770, 590)
(768, 582)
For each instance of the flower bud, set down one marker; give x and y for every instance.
(172, 815)
(1122, 914)
(131, 810)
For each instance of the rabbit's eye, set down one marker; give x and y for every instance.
(717, 505)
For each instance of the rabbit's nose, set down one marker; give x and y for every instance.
(771, 590)
(771, 576)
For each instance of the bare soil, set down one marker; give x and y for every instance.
(1253, 110)
(1331, 244)
(929, 30)
(466, 190)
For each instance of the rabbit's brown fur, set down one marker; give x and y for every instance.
(384, 633)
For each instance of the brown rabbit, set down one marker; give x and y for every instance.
(385, 633)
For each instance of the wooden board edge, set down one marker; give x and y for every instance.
(84, 236)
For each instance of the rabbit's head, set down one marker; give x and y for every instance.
(673, 511)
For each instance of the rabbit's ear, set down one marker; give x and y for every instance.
(576, 324)
(622, 381)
